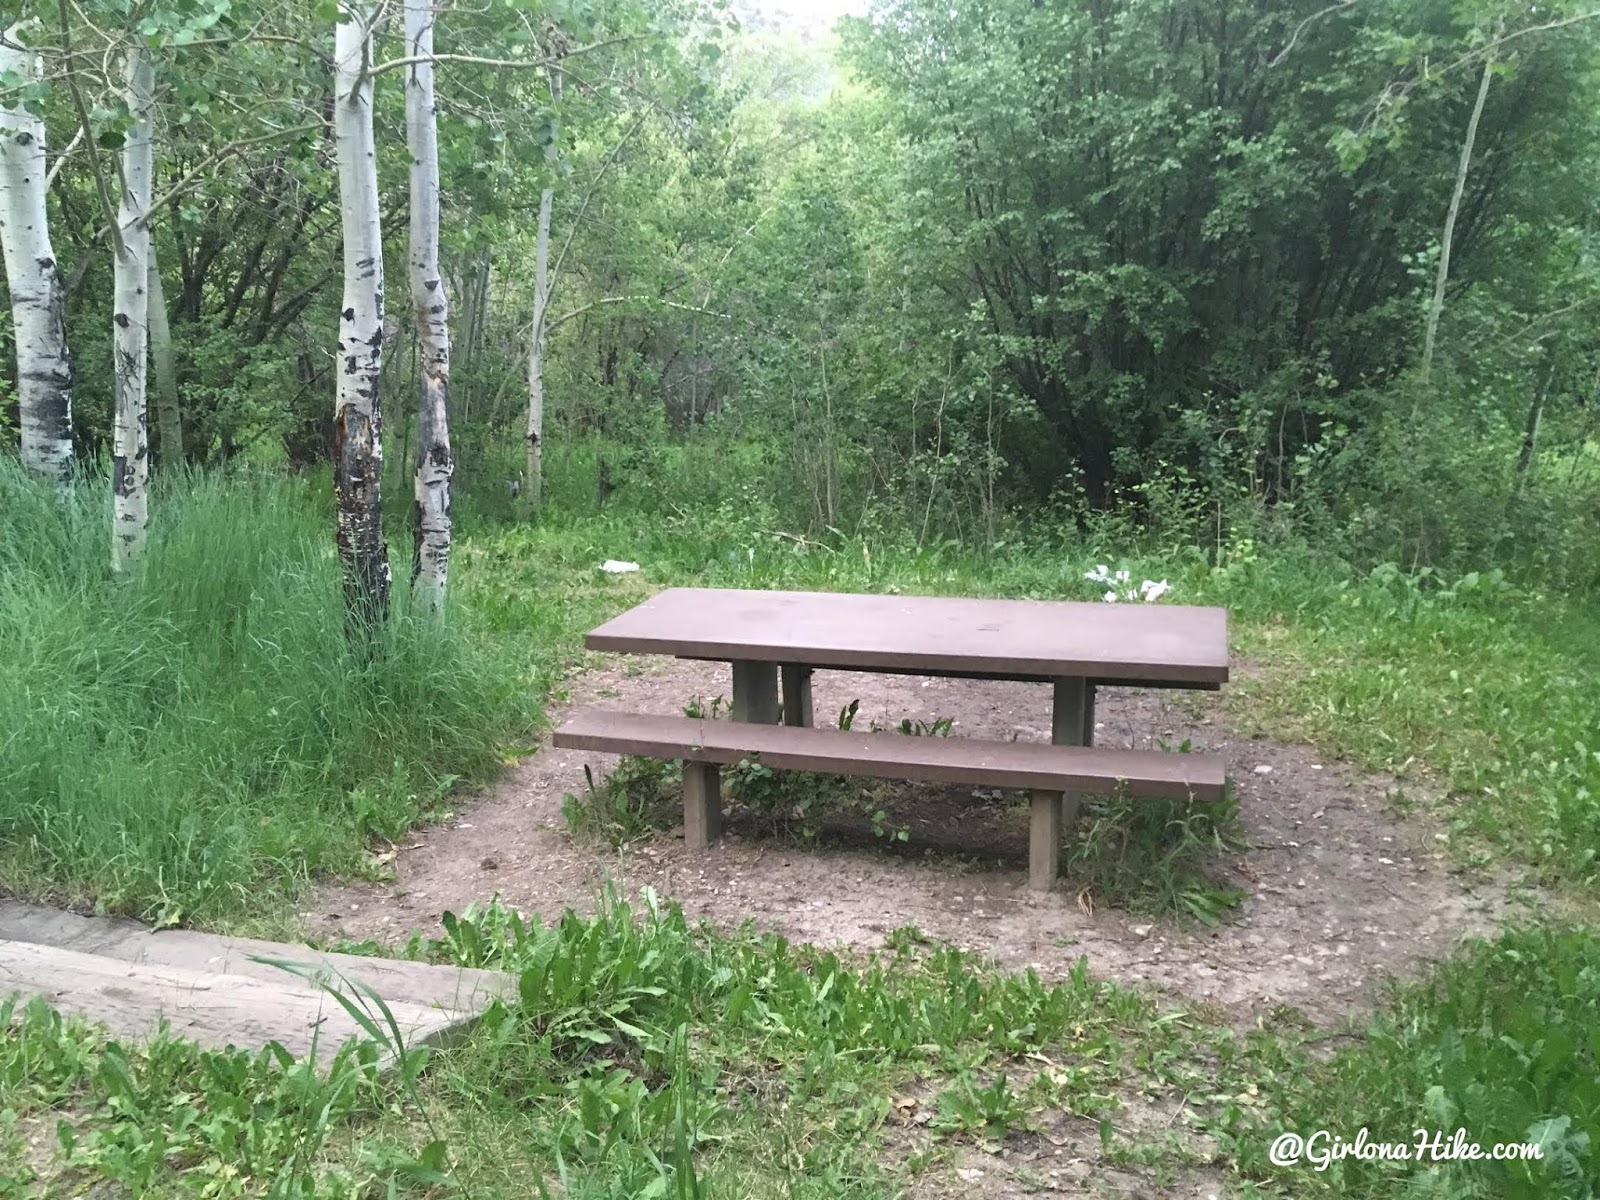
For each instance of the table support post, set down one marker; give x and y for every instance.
(796, 694)
(1072, 724)
(1044, 840)
(702, 804)
(755, 692)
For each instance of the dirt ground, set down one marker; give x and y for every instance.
(1341, 892)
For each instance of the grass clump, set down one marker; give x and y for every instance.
(1157, 856)
(185, 742)
(170, 1119)
(797, 1064)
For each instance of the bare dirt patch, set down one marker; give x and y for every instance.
(1341, 891)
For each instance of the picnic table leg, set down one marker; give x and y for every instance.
(1071, 724)
(702, 804)
(1044, 840)
(796, 694)
(755, 692)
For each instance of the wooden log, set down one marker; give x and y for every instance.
(187, 949)
(213, 1009)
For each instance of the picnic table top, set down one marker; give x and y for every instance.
(1153, 644)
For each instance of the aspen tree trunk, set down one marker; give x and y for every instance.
(169, 416)
(541, 312)
(474, 293)
(1530, 432)
(130, 468)
(357, 415)
(1442, 275)
(44, 375)
(431, 554)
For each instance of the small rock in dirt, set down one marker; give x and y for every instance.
(1263, 769)
(969, 1174)
(1142, 931)
(490, 864)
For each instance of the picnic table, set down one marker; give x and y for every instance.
(775, 640)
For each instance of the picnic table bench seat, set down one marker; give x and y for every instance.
(1046, 771)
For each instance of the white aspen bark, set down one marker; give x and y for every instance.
(169, 416)
(44, 374)
(541, 311)
(1442, 276)
(431, 553)
(130, 469)
(541, 307)
(357, 415)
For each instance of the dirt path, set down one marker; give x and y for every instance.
(1340, 892)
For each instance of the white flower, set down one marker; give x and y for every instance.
(1111, 597)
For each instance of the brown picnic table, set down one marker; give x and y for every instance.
(775, 640)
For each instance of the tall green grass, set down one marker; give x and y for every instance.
(196, 742)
